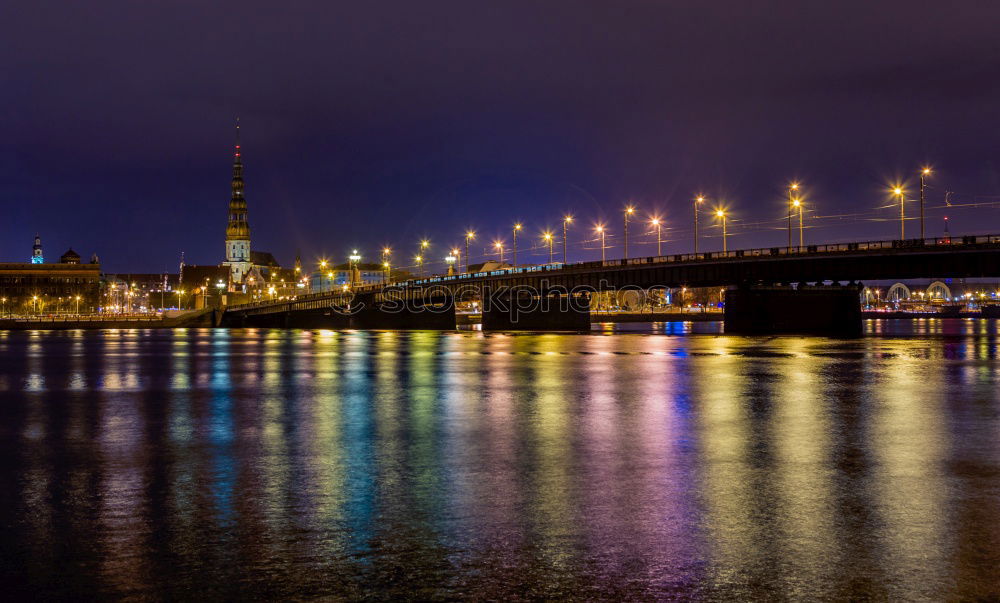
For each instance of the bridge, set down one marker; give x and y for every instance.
(422, 303)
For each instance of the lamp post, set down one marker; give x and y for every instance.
(424, 244)
(797, 203)
(180, 299)
(420, 264)
(902, 211)
(791, 190)
(600, 231)
(628, 212)
(656, 222)
(517, 227)
(698, 200)
(722, 214)
(499, 247)
(385, 264)
(3, 309)
(548, 239)
(450, 260)
(468, 237)
(923, 174)
(352, 265)
(566, 222)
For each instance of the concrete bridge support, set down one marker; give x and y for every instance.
(526, 311)
(318, 318)
(824, 310)
(436, 314)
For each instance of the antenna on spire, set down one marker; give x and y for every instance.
(237, 138)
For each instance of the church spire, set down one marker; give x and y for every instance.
(238, 228)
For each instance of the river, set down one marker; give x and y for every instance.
(639, 461)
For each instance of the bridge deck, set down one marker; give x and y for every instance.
(965, 257)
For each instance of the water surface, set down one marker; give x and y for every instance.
(233, 463)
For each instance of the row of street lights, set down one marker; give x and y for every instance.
(795, 206)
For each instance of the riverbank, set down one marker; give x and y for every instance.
(189, 319)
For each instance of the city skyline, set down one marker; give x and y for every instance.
(501, 128)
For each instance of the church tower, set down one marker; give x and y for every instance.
(36, 251)
(238, 230)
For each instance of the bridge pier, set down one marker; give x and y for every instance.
(317, 318)
(433, 314)
(824, 310)
(527, 311)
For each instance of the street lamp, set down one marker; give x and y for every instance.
(656, 222)
(722, 214)
(78, 305)
(424, 244)
(548, 239)
(352, 265)
(180, 299)
(385, 264)
(628, 212)
(902, 211)
(517, 227)
(797, 204)
(600, 230)
(791, 190)
(499, 247)
(923, 174)
(468, 237)
(419, 259)
(450, 260)
(698, 200)
(566, 221)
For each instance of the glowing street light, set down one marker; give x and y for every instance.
(419, 259)
(548, 239)
(792, 188)
(450, 260)
(898, 191)
(656, 222)
(517, 227)
(566, 222)
(926, 171)
(498, 245)
(468, 237)
(628, 212)
(385, 264)
(697, 201)
(722, 214)
(600, 230)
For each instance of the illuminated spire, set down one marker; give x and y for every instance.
(238, 228)
(236, 153)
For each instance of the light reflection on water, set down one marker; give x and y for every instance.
(213, 463)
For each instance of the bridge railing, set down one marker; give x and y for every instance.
(708, 256)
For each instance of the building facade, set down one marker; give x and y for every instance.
(28, 288)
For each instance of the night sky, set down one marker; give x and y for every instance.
(372, 123)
